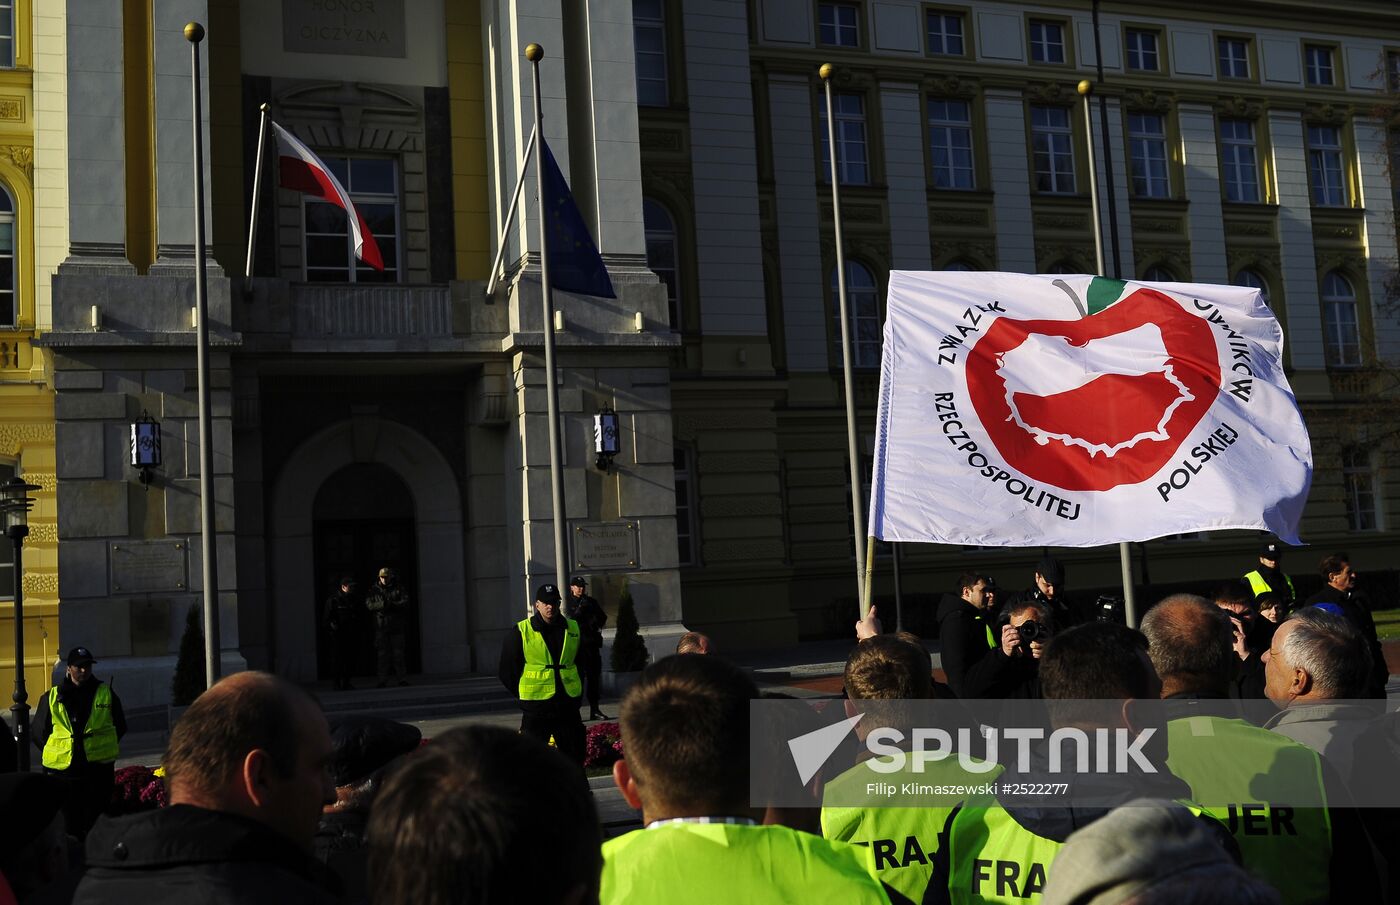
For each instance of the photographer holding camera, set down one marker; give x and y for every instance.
(1025, 631)
(987, 659)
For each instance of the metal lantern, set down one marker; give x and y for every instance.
(145, 445)
(607, 439)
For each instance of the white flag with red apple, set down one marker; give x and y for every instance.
(1028, 410)
(300, 169)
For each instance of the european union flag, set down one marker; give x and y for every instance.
(574, 263)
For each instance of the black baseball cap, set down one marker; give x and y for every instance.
(577, 582)
(1271, 549)
(80, 655)
(547, 593)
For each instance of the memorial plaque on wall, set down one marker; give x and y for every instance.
(599, 546)
(364, 28)
(159, 565)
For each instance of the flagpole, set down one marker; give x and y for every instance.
(857, 517)
(257, 187)
(1125, 562)
(1107, 154)
(194, 33)
(534, 53)
(510, 213)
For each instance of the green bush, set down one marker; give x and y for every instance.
(629, 651)
(188, 683)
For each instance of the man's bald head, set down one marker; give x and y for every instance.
(1190, 642)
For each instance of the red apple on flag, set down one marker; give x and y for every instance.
(1095, 403)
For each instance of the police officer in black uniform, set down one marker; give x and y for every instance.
(589, 615)
(343, 619)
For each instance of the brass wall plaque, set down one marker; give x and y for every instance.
(599, 546)
(139, 566)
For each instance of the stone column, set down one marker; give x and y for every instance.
(1296, 251)
(1011, 181)
(907, 176)
(1206, 221)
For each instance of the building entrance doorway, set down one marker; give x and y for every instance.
(363, 521)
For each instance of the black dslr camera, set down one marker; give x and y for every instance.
(1030, 630)
(1110, 609)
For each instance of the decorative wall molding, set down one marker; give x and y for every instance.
(14, 437)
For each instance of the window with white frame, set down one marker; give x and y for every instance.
(649, 41)
(687, 535)
(1239, 160)
(945, 33)
(1325, 166)
(1142, 50)
(373, 185)
(852, 161)
(863, 307)
(7, 34)
(1320, 70)
(9, 307)
(1359, 481)
(1253, 280)
(663, 254)
(1052, 146)
(1233, 54)
(839, 24)
(7, 551)
(1047, 41)
(1341, 330)
(950, 144)
(1158, 274)
(1147, 148)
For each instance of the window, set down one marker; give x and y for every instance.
(1325, 166)
(1147, 148)
(7, 550)
(959, 267)
(1392, 70)
(863, 305)
(1142, 50)
(330, 248)
(1158, 275)
(1319, 61)
(9, 311)
(1234, 57)
(1252, 280)
(1238, 161)
(945, 33)
(663, 255)
(7, 34)
(850, 140)
(649, 38)
(1053, 150)
(1047, 42)
(1341, 334)
(839, 24)
(1359, 480)
(685, 507)
(950, 142)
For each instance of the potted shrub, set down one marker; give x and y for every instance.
(629, 650)
(188, 682)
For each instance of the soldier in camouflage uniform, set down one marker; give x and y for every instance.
(388, 605)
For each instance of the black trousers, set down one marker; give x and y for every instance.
(90, 789)
(589, 661)
(564, 725)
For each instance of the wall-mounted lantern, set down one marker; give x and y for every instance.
(606, 438)
(145, 446)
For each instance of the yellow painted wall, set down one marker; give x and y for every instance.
(26, 393)
(466, 82)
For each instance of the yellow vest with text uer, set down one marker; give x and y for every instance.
(537, 678)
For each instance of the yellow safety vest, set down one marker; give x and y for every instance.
(537, 679)
(99, 735)
(1244, 776)
(1258, 585)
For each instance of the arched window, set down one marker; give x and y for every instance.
(663, 254)
(9, 312)
(1063, 267)
(959, 266)
(1341, 333)
(1158, 275)
(863, 304)
(1253, 280)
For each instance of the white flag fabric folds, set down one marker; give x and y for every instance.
(300, 169)
(1029, 410)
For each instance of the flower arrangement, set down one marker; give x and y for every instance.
(603, 745)
(137, 789)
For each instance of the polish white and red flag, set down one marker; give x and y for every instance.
(1029, 410)
(301, 170)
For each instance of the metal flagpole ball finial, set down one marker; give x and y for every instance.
(1085, 87)
(825, 71)
(194, 32)
(264, 106)
(534, 53)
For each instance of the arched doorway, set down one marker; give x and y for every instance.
(362, 521)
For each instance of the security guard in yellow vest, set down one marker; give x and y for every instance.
(77, 725)
(538, 665)
(1269, 576)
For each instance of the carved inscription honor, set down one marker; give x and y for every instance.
(149, 566)
(364, 28)
(605, 545)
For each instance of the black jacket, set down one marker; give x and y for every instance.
(183, 854)
(512, 664)
(77, 700)
(974, 668)
(1356, 607)
(589, 615)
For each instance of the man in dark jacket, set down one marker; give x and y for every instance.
(981, 659)
(1341, 592)
(247, 774)
(1048, 590)
(590, 617)
(388, 604)
(341, 617)
(538, 664)
(77, 726)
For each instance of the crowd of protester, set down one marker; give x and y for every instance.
(270, 802)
